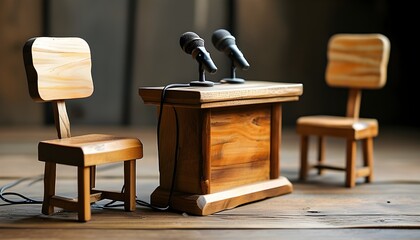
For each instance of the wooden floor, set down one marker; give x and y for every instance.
(321, 208)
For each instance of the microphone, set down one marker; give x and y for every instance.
(225, 42)
(192, 44)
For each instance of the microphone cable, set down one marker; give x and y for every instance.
(162, 102)
(26, 200)
(168, 204)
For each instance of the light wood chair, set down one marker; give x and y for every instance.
(356, 62)
(59, 69)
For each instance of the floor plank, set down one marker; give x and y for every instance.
(368, 206)
(388, 208)
(267, 234)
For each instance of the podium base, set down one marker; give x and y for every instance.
(219, 201)
(232, 80)
(201, 83)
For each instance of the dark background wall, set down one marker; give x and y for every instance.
(287, 40)
(136, 43)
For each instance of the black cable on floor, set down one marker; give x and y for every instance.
(26, 200)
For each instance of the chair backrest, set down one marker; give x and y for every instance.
(58, 68)
(357, 61)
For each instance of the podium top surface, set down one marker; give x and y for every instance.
(224, 94)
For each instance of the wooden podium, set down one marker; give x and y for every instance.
(229, 138)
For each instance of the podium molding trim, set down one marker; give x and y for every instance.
(215, 202)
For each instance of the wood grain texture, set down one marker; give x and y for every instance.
(386, 205)
(386, 209)
(240, 146)
(83, 194)
(49, 187)
(187, 164)
(355, 62)
(228, 137)
(275, 140)
(62, 122)
(211, 234)
(129, 185)
(225, 199)
(337, 126)
(219, 150)
(58, 68)
(206, 152)
(358, 60)
(90, 150)
(251, 92)
(166, 139)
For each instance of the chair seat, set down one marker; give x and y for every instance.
(90, 150)
(337, 126)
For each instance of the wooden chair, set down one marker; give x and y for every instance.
(58, 69)
(356, 62)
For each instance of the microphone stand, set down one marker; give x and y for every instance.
(233, 78)
(201, 78)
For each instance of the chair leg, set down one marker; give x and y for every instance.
(321, 153)
(368, 158)
(83, 198)
(49, 188)
(92, 177)
(130, 185)
(351, 163)
(304, 141)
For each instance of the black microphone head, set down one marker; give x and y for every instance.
(190, 41)
(222, 38)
